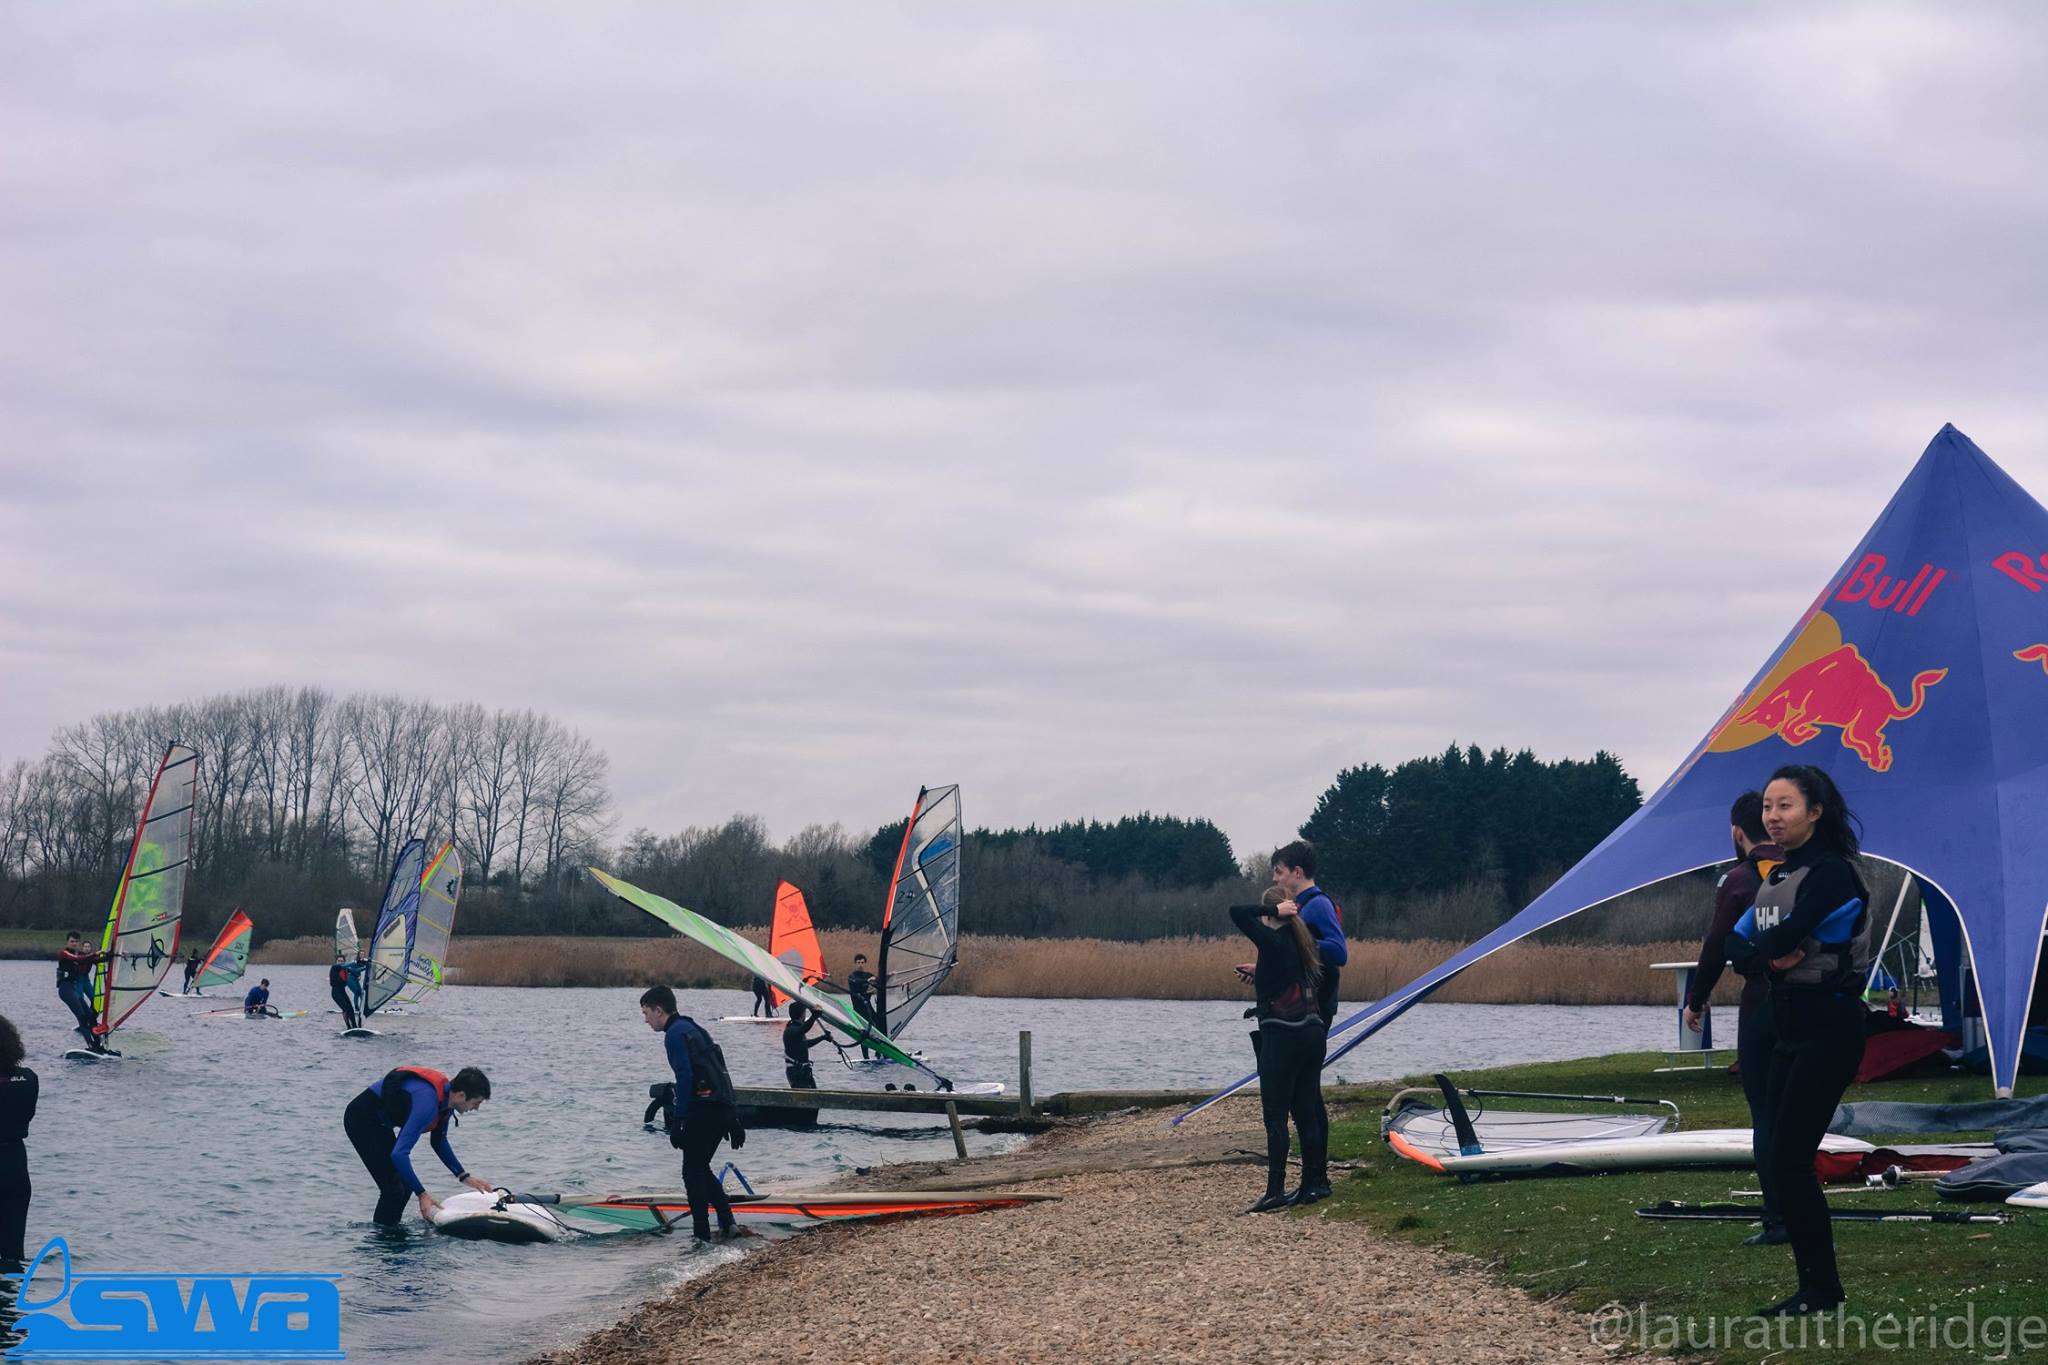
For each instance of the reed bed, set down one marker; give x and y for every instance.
(1085, 969)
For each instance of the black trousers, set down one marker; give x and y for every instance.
(1756, 1043)
(800, 1075)
(703, 1129)
(364, 1123)
(14, 1196)
(1291, 1086)
(1820, 1045)
(347, 1002)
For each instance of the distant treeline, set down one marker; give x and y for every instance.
(304, 798)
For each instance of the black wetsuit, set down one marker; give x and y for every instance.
(1818, 1015)
(1292, 1036)
(796, 1054)
(1756, 1039)
(704, 1097)
(19, 1089)
(860, 990)
(338, 989)
(191, 970)
(764, 1003)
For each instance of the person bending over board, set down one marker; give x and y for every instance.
(1291, 1040)
(386, 1120)
(1810, 930)
(796, 1047)
(1755, 1039)
(341, 989)
(860, 991)
(18, 1091)
(191, 970)
(1294, 871)
(764, 1003)
(257, 1001)
(703, 1114)
(74, 986)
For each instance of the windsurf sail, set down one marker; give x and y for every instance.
(741, 952)
(440, 889)
(228, 958)
(921, 920)
(345, 940)
(397, 921)
(793, 941)
(143, 927)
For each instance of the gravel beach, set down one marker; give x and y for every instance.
(1146, 1257)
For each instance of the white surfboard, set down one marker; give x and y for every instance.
(361, 1033)
(1730, 1147)
(86, 1054)
(2032, 1197)
(495, 1217)
(750, 1019)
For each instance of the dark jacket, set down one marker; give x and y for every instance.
(1733, 894)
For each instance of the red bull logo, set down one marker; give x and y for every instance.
(2033, 654)
(1821, 683)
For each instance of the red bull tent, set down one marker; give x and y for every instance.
(1919, 680)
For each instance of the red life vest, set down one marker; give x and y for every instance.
(397, 1106)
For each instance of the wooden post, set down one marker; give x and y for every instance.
(959, 1138)
(1024, 1109)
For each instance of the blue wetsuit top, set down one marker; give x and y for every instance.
(1319, 913)
(426, 1115)
(675, 1040)
(256, 999)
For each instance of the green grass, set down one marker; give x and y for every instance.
(30, 943)
(1577, 1239)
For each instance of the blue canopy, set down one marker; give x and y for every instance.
(1919, 680)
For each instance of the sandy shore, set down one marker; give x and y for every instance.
(1147, 1257)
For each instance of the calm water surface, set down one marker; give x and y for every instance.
(217, 1145)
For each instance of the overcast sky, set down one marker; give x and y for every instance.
(1106, 407)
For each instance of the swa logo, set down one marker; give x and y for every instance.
(156, 1317)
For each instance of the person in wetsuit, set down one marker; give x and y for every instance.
(1809, 931)
(860, 991)
(1294, 872)
(361, 982)
(19, 1089)
(191, 970)
(386, 1120)
(341, 989)
(1292, 1036)
(1755, 1039)
(257, 1001)
(796, 1047)
(764, 1003)
(74, 987)
(703, 1114)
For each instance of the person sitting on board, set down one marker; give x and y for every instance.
(257, 1001)
(191, 970)
(1285, 979)
(341, 988)
(19, 1089)
(1294, 871)
(74, 986)
(1809, 928)
(796, 1047)
(764, 1001)
(703, 1114)
(385, 1121)
(860, 992)
(1756, 1040)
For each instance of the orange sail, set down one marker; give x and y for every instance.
(793, 940)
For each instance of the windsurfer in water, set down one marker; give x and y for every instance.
(341, 989)
(257, 1001)
(386, 1120)
(764, 1002)
(191, 970)
(702, 1114)
(797, 1042)
(74, 986)
(860, 989)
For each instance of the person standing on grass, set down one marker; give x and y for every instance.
(1755, 1039)
(1290, 1046)
(1810, 931)
(1294, 872)
(703, 1113)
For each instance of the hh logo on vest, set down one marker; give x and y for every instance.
(156, 1317)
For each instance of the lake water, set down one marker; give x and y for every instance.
(216, 1146)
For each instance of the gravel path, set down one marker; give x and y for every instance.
(1148, 1257)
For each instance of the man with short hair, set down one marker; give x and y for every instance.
(1294, 872)
(385, 1121)
(860, 990)
(74, 986)
(257, 1001)
(703, 1113)
(1756, 1037)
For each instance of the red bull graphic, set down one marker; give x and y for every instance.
(1820, 682)
(1869, 584)
(2033, 654)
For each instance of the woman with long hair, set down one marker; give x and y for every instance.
(18, 1091)
(1809, 932)
(1285, 977)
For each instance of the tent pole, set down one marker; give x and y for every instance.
(1877, 958)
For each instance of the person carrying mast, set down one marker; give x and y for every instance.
(1755, 1039)
(387, 1119)
(191, 970)
(341, 989)
(74, 987)
(1285, 979)
(702, 1112)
